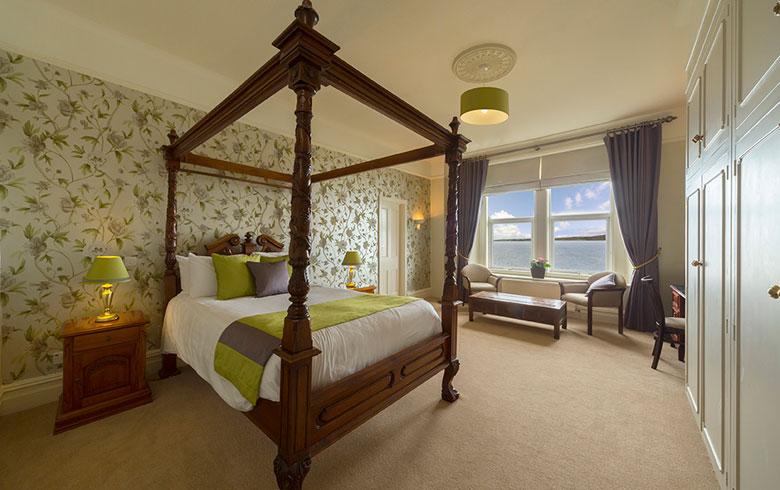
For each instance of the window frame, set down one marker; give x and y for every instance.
(498, 221)
(543, 230)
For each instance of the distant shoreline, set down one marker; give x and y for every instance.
(592, 238)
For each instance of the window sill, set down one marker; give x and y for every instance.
(504, 274)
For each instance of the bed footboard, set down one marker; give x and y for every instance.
(344, 405)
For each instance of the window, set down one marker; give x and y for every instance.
(572, 225)
(510, 229)
(579, 220)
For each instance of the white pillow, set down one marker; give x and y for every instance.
(184, 272)
(203, 278)
(270, 254)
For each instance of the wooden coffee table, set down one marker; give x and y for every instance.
(527, 308)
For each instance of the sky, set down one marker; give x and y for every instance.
(580, 198)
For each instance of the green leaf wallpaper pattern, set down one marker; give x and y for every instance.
(81, 174)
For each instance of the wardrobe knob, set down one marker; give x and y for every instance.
(697, 263)
(776, 10)
(774, 292)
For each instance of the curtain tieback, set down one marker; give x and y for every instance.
(654, 257)
(462, 256)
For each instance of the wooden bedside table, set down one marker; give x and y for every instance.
(104, 369)
(371, 289)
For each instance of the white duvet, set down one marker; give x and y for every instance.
(192, 327)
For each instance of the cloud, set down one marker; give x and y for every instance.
(561, 225)
(501, 215)
(578, 199)
(505, 231)
(604, 206)
(590, 193)
(569, 202)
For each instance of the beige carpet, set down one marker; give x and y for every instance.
(582, 412)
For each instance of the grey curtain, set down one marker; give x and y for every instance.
(635, 167)
(473, 173)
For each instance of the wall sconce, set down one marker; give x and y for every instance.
(418, 219)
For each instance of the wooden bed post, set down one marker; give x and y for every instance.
(169, 279)
(306, 56)
(449, 300)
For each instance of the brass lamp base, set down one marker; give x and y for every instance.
(106, 317)
(106, 294)
(351, 278)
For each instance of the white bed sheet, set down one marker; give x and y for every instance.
(192, 327)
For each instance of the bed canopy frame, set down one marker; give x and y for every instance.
(306, 421)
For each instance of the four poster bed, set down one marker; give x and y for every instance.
(307, 418)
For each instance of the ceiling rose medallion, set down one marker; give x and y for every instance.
(482, 64)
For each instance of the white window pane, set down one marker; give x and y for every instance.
(580, 245)
(511, 247)
(594, 197)
(511, 205)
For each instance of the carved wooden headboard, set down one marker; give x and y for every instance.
(230, 244)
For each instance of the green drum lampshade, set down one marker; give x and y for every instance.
(352, 257)
(483, 106)
(107, 269)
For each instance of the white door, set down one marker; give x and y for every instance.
(692, 291)
(714, 363)
(391, 250)
(758, 316)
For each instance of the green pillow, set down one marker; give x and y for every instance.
(233, 277)
(276, 259)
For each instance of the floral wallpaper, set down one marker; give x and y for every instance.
(81, 174)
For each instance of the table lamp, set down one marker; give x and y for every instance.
(351, 259)
(107, 270)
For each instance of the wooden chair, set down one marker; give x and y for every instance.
(478, 278)
(581, 293)
(665, 325)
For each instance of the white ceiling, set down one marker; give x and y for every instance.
(580, 63)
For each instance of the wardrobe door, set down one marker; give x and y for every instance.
(758, 61)
(758, 314)
(716, 82)
(692, 291)
(714, 345)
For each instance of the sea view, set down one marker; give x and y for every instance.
(568, 255)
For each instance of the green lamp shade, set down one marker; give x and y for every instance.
(352, 257)
(107, 269)
(483, 106)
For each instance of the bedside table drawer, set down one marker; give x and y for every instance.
(102, 339)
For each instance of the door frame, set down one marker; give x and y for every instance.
(402, 225)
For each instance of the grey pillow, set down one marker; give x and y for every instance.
(270, 277)
(606, 282)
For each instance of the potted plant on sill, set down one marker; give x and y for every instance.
(538, 267)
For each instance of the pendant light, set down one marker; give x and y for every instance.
(482, 64)
(483, 106)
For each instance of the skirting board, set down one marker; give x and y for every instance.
(33, 392)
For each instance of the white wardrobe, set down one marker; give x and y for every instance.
(733, 240)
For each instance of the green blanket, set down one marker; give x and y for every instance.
(246, 344)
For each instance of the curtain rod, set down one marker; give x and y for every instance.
(537, 147)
